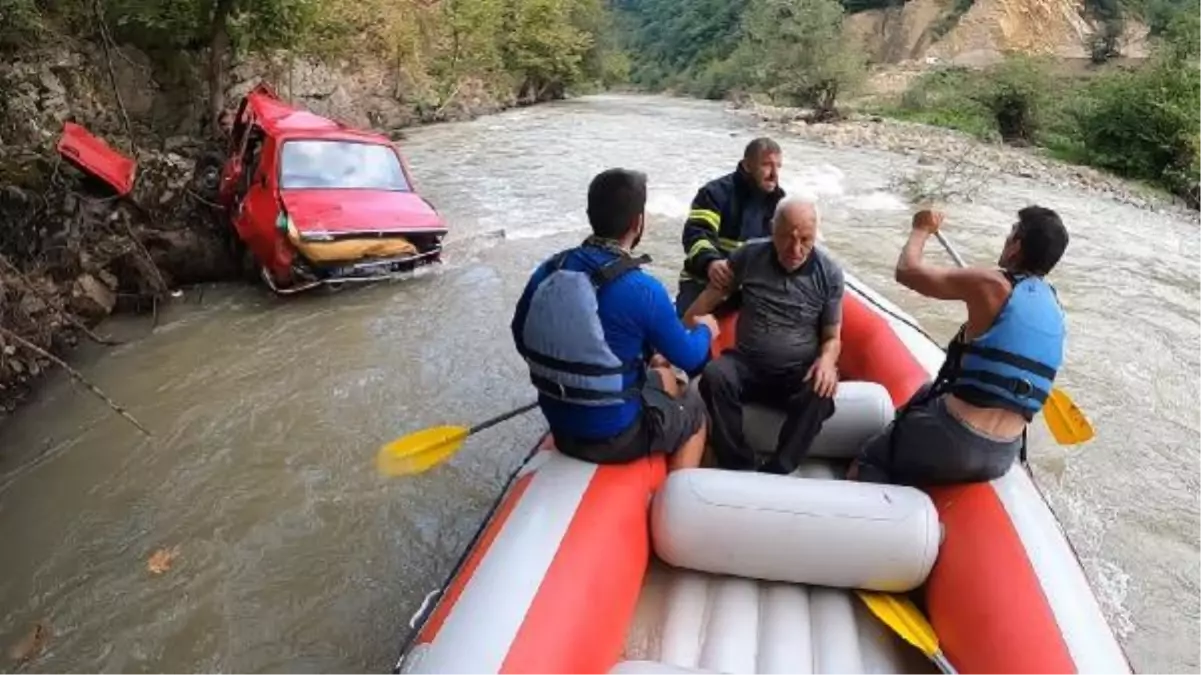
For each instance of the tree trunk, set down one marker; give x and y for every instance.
(218, 47)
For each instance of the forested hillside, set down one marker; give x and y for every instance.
(712, 48)
(535, 48)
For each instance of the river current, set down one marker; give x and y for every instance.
(294, 554)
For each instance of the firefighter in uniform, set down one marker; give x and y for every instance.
(725, 213)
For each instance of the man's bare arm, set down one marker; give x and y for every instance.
(943, 283)
(831, 343)
(705, 303)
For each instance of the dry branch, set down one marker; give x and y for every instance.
(75, 374)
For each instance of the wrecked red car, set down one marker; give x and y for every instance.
(312, 201)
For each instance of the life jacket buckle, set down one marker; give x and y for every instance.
(1023, 387)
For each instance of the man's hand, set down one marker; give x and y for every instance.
(927, 221)
(720, 274)
(708, 320)
(824, 376)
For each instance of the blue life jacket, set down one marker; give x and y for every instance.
(563, 342)
(1013, 364)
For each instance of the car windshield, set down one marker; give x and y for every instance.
(340, 165)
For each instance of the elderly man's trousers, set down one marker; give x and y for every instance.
(731, 381)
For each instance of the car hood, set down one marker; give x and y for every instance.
(349, 211)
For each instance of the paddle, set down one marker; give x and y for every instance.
(423, 450)
(1067, 422)
(907, 621)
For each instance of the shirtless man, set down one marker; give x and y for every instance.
(969, 424)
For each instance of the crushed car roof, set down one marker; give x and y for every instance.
(280, 119)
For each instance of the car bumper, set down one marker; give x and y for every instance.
(358, 272)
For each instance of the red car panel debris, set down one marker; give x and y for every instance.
(93, 155)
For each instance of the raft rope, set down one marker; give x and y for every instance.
(417, 621)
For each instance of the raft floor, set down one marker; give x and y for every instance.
(718, 623)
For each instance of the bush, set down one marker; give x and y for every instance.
(1145, 123)
(21, 26)
(1014, 93)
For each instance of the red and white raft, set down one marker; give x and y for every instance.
(599, 569)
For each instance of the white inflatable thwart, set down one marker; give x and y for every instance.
(780, 528)
(861, 410)
(645, 667)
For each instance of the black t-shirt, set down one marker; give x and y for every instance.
(783, 313)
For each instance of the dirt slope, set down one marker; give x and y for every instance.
(984, 33)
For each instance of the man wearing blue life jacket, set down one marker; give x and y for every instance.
(587, 323)
(970, 423)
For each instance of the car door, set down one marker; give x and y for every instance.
(233, 167)
(259, 210)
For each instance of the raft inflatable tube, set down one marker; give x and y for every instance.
(582, 568)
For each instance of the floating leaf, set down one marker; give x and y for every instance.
(162, 559)
(30, 645)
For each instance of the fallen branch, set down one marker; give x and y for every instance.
(959, 179)
(449, 99)
(75, 374)
(105, 41)
(62, 313)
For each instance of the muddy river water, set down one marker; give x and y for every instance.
(295, 555)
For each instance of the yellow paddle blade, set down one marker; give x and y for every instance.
(1067, 423)
(904, 618)
(420, 450)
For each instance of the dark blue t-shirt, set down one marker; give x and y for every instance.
(638, 318)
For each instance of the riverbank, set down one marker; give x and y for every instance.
(73, 253)
(973, 160)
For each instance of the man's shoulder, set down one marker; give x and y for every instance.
(828, 266)
(754, 249)
(719, 187)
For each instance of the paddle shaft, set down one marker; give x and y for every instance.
(943, 664)
(950, 249)
(502, 418)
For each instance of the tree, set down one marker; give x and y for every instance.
(542, 47)
(794, 50)
(223, 27)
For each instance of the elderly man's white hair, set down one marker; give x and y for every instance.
(788, 202)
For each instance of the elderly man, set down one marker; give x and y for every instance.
(787, 341)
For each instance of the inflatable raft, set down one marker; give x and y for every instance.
(623, 569)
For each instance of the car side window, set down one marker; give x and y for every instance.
(251, 156)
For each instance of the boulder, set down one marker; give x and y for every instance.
(91, 298)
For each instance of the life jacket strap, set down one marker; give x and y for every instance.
(1009, 358)
(562, 392)
(1014, 385)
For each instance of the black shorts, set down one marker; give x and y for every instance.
(932, 447)
(664, 425)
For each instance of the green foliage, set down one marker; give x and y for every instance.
(794, 51)
(791, 49)
(1160, 14)
(1143, 123)
(1014, 96)
(21, 25)
(538, 47)
(541, 46)
(667, 38)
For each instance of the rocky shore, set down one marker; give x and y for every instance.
(72, 252)
(931, 144)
